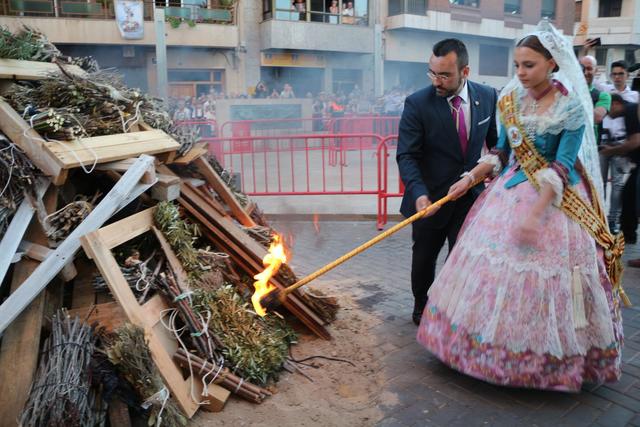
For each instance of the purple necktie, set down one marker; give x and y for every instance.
(458, 118)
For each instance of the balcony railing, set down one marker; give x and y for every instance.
(411, 7)
(217, 14)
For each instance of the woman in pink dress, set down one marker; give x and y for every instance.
(525, 298)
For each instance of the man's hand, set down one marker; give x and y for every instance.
(460, 188)
(423, 203)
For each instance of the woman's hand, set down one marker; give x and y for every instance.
(528, 231)
(460, 188)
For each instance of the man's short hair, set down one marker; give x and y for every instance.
(616, 97)
(446, 46)
(621, 64)
(594, 62)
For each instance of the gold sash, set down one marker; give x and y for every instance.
(590, 216)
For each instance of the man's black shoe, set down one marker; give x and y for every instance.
(416, 318)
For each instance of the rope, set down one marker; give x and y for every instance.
(177, 332)
(65, 146)
(161, 396)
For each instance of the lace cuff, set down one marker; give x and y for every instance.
(495, 158)
(550, 176)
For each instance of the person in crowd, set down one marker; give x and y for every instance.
(616, 167)
(630, 147)
(437, 141)
(348, 15)
(261, 90)
(287, 92)
(334, 10)
(601, 99)
(182, 113)
(274, 94)
(528, 297)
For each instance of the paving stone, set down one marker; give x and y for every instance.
(635, 421)
(430, 393)
(582, 415)
(615, 416)
(619, 398)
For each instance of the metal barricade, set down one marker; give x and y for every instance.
(297, 165)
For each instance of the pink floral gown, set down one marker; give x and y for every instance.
(503, 313)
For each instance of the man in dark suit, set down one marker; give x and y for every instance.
(442, 131)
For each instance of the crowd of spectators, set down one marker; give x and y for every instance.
(324, 104)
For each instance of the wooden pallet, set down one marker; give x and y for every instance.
(32, 70)
(56, 158)
(161, 342)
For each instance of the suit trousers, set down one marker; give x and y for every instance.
(427, 244)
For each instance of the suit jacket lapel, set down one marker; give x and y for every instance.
(474, 109)
(446, 118)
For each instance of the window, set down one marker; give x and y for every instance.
(328, 11)
(630, 56)
(608, 8)
(494, 60)
(548, 9)
(513, 7)
(601, 55)
(411, 7)
(470, 3)
(195, 82)
(578, 13)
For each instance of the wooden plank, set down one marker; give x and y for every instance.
(29, 141)
(21, 343)
(196, 152)
(161, 343)
(119, 413)
(33, 70)
(120, 195)
(124, 230)
(214, 180)
(71, 154)
(211, 201)
(40, 253)
(123, 165)
(15, 231)
(108, 315)
(181, 276)
(250, 262)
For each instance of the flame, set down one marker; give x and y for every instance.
(316, 224)
(272, 261)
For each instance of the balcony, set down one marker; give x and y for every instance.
(302, 35)
(75, 22)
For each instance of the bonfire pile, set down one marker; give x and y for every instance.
(159, 251)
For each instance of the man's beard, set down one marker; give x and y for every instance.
(449, 92)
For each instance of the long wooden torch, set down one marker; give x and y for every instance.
(275, 297)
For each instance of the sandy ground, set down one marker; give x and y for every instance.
(340, 394)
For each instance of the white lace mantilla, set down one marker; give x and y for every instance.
(566, 113)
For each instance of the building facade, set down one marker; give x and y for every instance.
(616, 23)
(314, 45)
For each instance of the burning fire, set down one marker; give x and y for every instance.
(272, 262)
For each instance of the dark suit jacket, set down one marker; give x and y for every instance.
(429, 155)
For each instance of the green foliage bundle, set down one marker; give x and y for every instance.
(256, 347)
(129, 352)
(180, 235)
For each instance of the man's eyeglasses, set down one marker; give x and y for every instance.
(617, 74)
(442, 77)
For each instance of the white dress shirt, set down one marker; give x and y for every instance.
(464, 94)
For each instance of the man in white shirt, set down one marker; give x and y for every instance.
(616, 167)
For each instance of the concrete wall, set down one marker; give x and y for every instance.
(105, 32)
(316, 36)
(416, 47)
